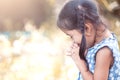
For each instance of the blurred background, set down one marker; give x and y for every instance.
(31, 45)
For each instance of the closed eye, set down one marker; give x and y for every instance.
(69, 37)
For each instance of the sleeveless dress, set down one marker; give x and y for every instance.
(112, 43)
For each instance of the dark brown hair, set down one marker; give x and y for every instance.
(73, 16)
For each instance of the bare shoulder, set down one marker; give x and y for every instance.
(104, 53)
(104, 60)
(104, 57)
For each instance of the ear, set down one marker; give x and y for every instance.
(88, 29)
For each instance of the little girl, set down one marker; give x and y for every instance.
(95, 49)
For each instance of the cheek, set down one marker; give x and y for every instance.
(90, 42)
(77, 40)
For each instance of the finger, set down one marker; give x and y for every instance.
(68, 51)
(76, 45)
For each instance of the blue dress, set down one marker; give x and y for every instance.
(112, 43)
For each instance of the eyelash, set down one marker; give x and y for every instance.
(69, 37)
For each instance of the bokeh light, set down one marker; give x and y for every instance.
(31, 45)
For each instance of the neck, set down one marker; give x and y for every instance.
(101, 34)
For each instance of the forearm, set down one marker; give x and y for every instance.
(81, 64)
(86, 74)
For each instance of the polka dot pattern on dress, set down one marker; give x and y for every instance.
(112, 44)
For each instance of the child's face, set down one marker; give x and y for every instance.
(75, 35)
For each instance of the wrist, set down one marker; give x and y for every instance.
(82, 66)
